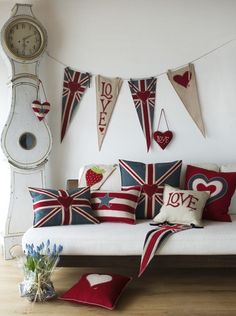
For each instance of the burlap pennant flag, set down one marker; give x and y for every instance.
(184, 82)
(107, 91)
(144, 94)
(74, 85)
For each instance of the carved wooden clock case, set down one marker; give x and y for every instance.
(25, 140)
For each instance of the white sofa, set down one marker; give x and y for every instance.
(215, 244)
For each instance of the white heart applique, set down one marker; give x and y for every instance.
(95, 279)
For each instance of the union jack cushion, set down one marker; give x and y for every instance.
(152, 178)
(116, 206)
(59, 207)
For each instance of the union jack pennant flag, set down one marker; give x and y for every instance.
(144, 94)
(152, 178)
(53, 208)
(154, 239)
(74, 85)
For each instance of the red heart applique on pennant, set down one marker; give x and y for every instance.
(184, 79)
(163, 138)
(40, 109)
(143, 95)
(73, 86)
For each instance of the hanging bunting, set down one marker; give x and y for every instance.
(184, 82)
(107, 91)
(144, 94)
(74, 85)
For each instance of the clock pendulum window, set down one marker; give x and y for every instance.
(25, 140)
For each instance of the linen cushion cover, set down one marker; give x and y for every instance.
(95, 175)
(182, 206)
(152, 178)
(101, 290)
(221, 186)
(60, 207)
(117, 206)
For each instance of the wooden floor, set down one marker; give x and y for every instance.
(162, 292)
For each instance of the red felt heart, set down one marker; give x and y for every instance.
(143, 95)
(163, 138)
(65, 201)
(40, 109)
(184, 79)
(150, 189)
(73, 86)
(210, 188)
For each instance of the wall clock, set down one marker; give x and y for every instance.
(25, 140)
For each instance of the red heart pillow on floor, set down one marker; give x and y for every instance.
(221, 186)
(97, 289)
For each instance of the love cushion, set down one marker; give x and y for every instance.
(221, 186)
(182, 206)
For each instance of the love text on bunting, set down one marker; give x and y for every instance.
(107, 90)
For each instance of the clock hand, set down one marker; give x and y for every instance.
(26, 37)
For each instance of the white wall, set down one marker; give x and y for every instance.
(137, 38)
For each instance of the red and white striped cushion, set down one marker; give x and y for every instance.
(119, 206)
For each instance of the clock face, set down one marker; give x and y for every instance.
(24, 39)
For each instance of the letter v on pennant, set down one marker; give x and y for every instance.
(107, 91)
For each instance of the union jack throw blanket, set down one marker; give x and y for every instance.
(144, 95)
(153, 241)
(74, 86)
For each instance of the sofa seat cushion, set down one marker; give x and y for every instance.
(216, 238)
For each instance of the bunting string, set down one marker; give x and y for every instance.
(160, 74)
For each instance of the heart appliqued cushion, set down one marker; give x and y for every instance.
(95, 279)
(62, 207)
(221, 186)
(97, 289)
(40, 109)
(152, 178)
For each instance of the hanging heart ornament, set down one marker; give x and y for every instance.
(40, 109)
(163, 138)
